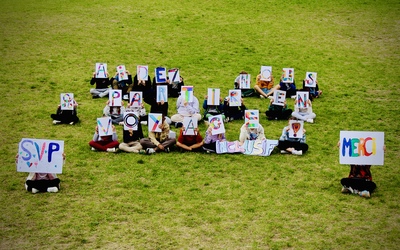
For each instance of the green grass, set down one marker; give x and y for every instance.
(191, 200)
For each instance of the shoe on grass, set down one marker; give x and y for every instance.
(52, 189)
(150, 151)
(297, 152)
(55, 122)
(365, 194)
(34, 191)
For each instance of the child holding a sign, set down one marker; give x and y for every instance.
(359, 181)
(293, 139)
(190, 142)
(115, 113)
(304, 112)
(42, 182)
(102, 85)
(66, 116)
(265, 88)
(124, 84)
(245, 92)
(211, 110)
(278, 112)
(107, 142)
(186, 108)
(233, 112)
(210, 140)
(158, 141)
(252, 133)
(132, 139)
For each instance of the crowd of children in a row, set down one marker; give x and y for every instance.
(134, 141)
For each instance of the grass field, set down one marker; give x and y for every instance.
(194, 200)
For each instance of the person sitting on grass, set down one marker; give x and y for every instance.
(131, 143)
(115, 112)
(290, 88)
(108, 143)
(250, 134)
(314, 91)
(158, 141)
(233, 112)
(65, 116)
(124, 85)
(185, 108)
(305, 113)
(278, 112)
(265, 88)
(359, 181)
(42, 182)
(212, 110)
(210, 140)
(244, 92)
(296, 146)
(102, 86)
(190, 142)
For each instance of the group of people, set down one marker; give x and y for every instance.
(135, 142)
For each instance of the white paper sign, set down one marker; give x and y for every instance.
(361, 147)
(190, 124)
(244, 81)
(187, 93)
(296, 129)
(235, 96)
(101, 70)
(251, 118)
(155, 119)
(213, 96)
(40, 156)
(135, 99)
(288, 75)
(311, 80)
(115, 97)
(104, 126)
(162, 93)
(142, 72)
(217, 124)
(302, 99)
(279, 97)
(266, 73)
(160, 74)
(173, 75)
(121, 71)
(131, 120)
(67, 101)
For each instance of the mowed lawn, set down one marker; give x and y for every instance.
(195, 200)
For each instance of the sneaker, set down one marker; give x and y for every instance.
(293, 97)
(143, 122)
(93, 149)
(345, 190)
(55, 122)
(125, 97)
(284, 152)
(178, 124)
(34, 191)
(111, 150)
(271, 97)
(52, 189)
(166, 150)
(365, 194)
(310, 120)
(121, 123)
(71, 123)
(142, 151)
(262, 97)
(150, 151)
(297, 152)
(226, 119)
